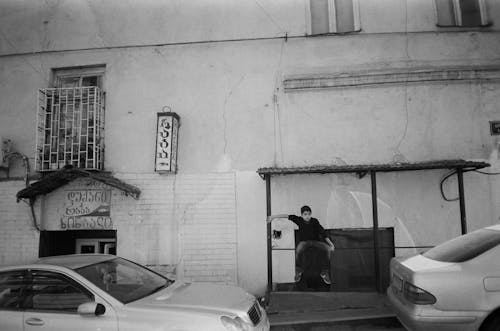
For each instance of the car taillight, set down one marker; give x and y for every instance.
(418, 296)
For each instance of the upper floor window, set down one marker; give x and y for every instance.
(70, 128)
(467, 13)
(333, 16)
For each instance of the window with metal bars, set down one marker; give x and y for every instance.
(70, 128)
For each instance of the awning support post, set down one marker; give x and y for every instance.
(269, 242)
(376, 248)
(461, 199)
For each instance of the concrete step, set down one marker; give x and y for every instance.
(339, 311)
(379, 324)
(331, 320)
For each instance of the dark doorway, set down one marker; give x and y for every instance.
(352, 267)
(77, 241)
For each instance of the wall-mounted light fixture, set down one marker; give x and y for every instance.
(167, 129)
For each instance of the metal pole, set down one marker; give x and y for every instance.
(269, 247)
(461, 199)
(376, 249)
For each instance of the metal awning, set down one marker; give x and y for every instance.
(459, 166)
(365, 168)
(62, 177)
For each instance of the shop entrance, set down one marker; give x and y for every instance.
(77, 242)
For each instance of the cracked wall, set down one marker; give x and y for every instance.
(236, 118)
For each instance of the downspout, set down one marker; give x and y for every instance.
(35, 224)
(31, 203)
(27, 183)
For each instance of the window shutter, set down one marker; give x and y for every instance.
(471, 13)
(320, 22)
(445, 13)
(344, 15)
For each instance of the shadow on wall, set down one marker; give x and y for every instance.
(358, 205)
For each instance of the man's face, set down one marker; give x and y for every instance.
(306, 216)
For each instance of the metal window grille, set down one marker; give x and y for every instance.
(70, 128)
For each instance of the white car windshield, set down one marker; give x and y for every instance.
(465, 247)
(124, 280)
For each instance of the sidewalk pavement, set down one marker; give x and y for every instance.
(322, 310)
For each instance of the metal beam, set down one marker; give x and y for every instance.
(269, 242)
(376, 248)
(461, 200)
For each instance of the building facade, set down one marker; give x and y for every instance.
(291, 83)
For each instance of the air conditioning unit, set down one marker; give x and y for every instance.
(5, 149)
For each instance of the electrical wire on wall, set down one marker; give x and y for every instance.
(453, 172)
(487, 173)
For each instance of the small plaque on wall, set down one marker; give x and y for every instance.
(167, 128)
(87, 209)
(495, 128)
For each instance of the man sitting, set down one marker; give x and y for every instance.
(311, 234)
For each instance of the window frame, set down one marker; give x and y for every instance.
(80, 71)
(28, 285)
(65, 277)
(54, 150)
(332, 19)
(167, 284)
(457, 15)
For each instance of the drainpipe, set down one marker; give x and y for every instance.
(461, 200)
(31, 203)
(269, 242)
(376, 248)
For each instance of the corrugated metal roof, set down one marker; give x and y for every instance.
(364, 168)
(62, 177)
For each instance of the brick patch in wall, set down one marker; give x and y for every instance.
(18, 237)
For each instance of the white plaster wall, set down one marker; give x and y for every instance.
(251, 231)
(235, 117)
(63, 25)
(386, 124)
(224, 95)
(56, 24)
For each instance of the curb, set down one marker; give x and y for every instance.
(388, 321)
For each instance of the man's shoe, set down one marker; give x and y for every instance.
(298, 276)
(326, 278)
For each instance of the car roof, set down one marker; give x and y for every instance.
(75, 261)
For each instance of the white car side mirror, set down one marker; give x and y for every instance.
(91, 308)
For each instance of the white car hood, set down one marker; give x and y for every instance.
(198, 296)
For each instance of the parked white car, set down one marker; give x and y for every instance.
(105, 292)
(453, 286)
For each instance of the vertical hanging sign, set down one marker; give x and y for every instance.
(167, 127)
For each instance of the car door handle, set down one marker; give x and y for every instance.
(34, 321)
